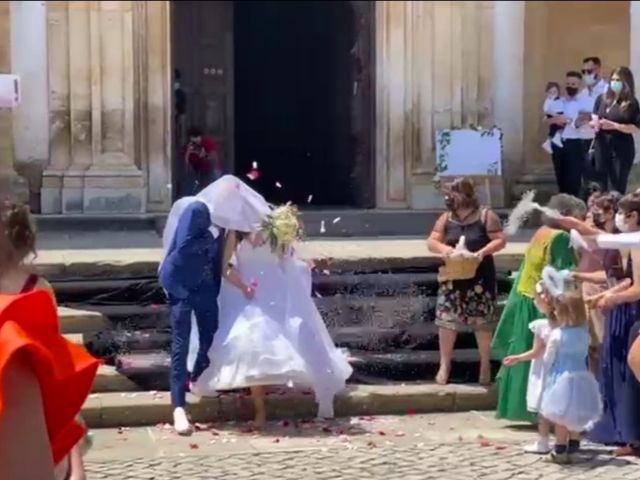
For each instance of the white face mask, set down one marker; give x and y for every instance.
(590, 79)
(620, 222)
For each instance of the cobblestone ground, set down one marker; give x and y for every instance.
(445, 447)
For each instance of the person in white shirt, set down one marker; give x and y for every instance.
(553, 105)
(577, 136)
(595, 85)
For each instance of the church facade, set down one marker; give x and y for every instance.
(96, 129)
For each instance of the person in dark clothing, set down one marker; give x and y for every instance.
(203, 162)
(464, 303)
(616, 117)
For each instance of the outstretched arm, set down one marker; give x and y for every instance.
(535, 352)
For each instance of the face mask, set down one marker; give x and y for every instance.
(620, 222)
(571, 91)
(616, 86)
(450, 202)
(590, 79)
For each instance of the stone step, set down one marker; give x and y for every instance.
(150, 370)
(342, 255)
(76, 321)
(130, 409)
(109, 379)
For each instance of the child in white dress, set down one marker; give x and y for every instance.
(541, 331)
(270, 332)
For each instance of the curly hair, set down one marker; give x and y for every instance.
(466, 189)
(18, 232)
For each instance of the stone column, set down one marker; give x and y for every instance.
(113, 183)
(10, 183)
(31, 117)
(508, 82)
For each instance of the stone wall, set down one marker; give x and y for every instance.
(109, 97)
(434, 71)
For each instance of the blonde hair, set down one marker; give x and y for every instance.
(569, 309)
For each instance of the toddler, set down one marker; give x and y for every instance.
(553, 105)
(541, 330)
(570, 396)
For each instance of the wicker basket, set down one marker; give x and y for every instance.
(460, 265)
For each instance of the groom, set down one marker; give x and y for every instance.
(191, 277)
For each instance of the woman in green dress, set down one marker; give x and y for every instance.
(549, 246)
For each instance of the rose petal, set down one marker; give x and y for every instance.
(254, 165)
(278, 184)
(309, 198)
(193, 446)
(253, 175)
(411, 412)
(284, 423)
(501, 447)
(336, 220)
(485, 443)
(381, 433)
(276, 440)
(322, 227)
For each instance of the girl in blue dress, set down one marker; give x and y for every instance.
(570, 399)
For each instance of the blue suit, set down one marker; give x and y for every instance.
(191, 276)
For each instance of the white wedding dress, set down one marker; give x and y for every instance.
(277, 338)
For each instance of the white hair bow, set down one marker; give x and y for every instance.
(557, 282)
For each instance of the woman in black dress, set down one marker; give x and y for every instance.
(616, 118)
(464, 304)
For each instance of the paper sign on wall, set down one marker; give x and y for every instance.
(9, 91)
(469, 152)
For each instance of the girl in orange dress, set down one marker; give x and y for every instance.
(34, 353)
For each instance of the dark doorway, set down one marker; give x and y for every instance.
(287, 85)
(292, 98)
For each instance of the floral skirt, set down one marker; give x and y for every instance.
(463, 308)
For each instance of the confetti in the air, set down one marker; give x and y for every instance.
(254, 165)
(323, 229)
(278, 184)
(336, 220)
(309, 198)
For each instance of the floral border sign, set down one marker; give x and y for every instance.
(469, 151)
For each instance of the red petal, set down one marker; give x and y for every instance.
(253, 175)
(381, 433)
(276, 440)
(285, 423)
(411, 411)
(193, 446)
(501, 447)
(485, 443)
(326, 429)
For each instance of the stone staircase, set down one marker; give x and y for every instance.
(130, 388)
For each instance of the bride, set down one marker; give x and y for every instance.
(270, 332)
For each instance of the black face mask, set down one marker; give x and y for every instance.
(571, 91)
(450, 202)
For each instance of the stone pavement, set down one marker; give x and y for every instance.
(453, 446)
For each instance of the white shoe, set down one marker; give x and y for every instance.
(181, 423)
(546, 146)
(557, 139)
(539, 447)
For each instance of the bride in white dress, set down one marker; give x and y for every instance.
(270, 331)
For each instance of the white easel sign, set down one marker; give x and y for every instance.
(9, 91)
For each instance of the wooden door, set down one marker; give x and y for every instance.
(203, 53)
(362, 103)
